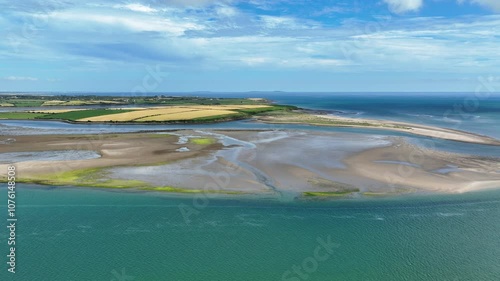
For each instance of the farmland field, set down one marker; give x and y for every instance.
(160, 108)
(188, 115)
(79, 114)
(19, 115)
(192, 110)
(173, 113)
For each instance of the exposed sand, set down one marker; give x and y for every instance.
(405, 165)
(115, 150)
(278, 162)
(311, 163)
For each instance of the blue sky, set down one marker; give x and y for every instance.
(253, 45)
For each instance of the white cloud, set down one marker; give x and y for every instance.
(403, 6)
(136, 7)
(205, 38)
(273, 22)
(226, 11)
(492, 4)
(195, 3)
(20, 78)
(137, 23)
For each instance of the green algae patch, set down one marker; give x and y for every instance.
(172, 189)
(94, 177)
(202, 141)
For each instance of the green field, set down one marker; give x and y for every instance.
(20, 115)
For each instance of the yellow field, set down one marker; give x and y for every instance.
(53, 102)
(187, 115)
(171, 113)
(6, 104)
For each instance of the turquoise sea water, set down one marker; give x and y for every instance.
(91, 234)
(84, 234)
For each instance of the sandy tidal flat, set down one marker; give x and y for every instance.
(286, 163)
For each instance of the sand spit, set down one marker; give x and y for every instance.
(417, 129)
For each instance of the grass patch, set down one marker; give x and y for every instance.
(253, 111)
(202, 141)
(20, 115)
(80, 114)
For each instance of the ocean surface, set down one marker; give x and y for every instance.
(85, 234)
(93, 234)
